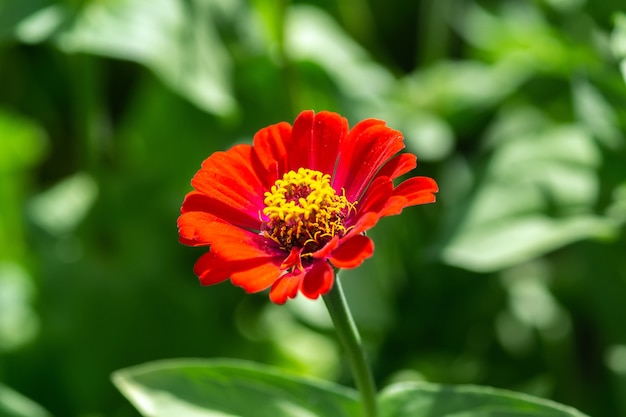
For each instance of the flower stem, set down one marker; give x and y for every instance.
(351, 341)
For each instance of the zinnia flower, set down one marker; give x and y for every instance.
(290, 210)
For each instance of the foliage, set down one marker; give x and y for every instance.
(514, 279)
(216, 388)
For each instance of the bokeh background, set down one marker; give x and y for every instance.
(515, 278)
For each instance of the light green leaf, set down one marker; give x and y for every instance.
(23, 142)
(312, 35)
(212, 388)
(597, 115)
(19, 323)
(61, 208)
(42, 24)
(431, 400)
(536, 195)
(618, 37)
(510, 241)
(14, 12)
(459, 87)
(13, 404)
(22, 145)
(618, 41)
(177, 40)
(520, 34)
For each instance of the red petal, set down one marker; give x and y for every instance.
(398, 165)
(363, 222)
(257, 278)
(293, 260)
(376, 195)
(211, 270)
(328, 248)
(228, 242)
(363, 153)
(346, 152)
(269, 146)
(191, 225)
(190, 242)
(228, 211)
(250, 259)
(352, 252)
(393, 206)
(318, 280)
(286, 287)
(299, 148)
(380, 199)
(315, 141)
(417, 190)
(329, 129)
(229, 177)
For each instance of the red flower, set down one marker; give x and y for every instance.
(288, 210)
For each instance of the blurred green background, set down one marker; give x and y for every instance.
(515, 278)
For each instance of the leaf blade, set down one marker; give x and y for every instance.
(433, 400)
(218, 388)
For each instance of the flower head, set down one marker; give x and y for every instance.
(287, 211)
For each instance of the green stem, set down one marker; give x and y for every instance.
(351, 341)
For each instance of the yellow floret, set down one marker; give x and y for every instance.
(302, 208)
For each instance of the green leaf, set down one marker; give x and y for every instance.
(18, 320)
(458, 87)
(42, 24)
(177, 40)
(13, 404)
(536, 195)
(510, 241)
(432, 400)
(596, 114)
(22, 145)
(618, 37)
(312, 35)
(618, 41)
(211, 388)
(23, 142)
(61, 208)
(12, 13)
(519, 33)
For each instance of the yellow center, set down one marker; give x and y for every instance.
(304, 211)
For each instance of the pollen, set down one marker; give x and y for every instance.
(304, 211)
